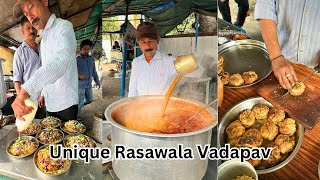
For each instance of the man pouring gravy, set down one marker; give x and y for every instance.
(152, 72)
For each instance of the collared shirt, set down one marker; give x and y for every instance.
(58, 74)
(86, 66)
(297, 26)
(25, 63)
(152, 78)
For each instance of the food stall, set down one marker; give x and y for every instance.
(85, 19)
(150, 169)
(302, 162)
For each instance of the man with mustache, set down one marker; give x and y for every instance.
(152, 72)
(57, 78)
(26, 61)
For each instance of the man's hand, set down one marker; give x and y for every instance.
(19, 106)
(284, 72)
(281, 67)
(41, 102)
(83, 76)
(17, 86)
(98, 86)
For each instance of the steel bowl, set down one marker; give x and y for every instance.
(38, 130)
(50, 127)
(35, 164)
(67, 132)
(232, 114)
(70, 135)
(19, 157)
(233, 168)
(37, 136)
(245, 55)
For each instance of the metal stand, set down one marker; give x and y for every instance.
(124, 61)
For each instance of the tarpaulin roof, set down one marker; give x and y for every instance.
(90, 29)
(167, 19)
(86, 15)
(166, 14)
(117, 7)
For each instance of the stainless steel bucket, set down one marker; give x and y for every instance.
(3, 98)
(145, 169)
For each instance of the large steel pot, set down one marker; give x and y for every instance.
(157, 169)
(3, 98)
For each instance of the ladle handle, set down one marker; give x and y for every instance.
(202, 109)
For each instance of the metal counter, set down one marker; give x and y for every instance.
(25, 168)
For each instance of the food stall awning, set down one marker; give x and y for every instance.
(166, 14)
(92, 28)
(117, 7)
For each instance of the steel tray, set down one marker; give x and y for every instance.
(245, 55)
(232, 114)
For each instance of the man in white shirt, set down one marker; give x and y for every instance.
(152, 72)
(290, 32)
(26, 61)
(57, 76)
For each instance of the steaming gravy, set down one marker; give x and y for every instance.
(145, 115)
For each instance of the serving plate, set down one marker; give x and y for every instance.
(62, 127)
(57, 174)
(50, 127)
(62, 134)
(38, 128)
(68, 136)
(12, 142)
(232, 114)
(245, 55)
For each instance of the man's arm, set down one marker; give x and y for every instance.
(269, 34)
(133, 81)
(282, 69)
(79, 64)
(50, 73)
(17, 71)
(95, 74)
(266, 13)
(17, 86)
(41, 102)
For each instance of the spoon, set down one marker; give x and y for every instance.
(201, 110)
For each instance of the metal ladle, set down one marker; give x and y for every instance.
(198, 112)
